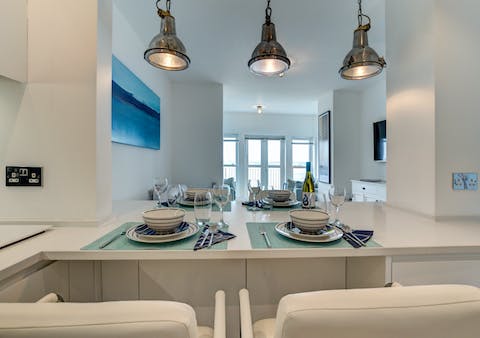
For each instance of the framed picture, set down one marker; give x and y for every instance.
(135, 109)
(324, 148)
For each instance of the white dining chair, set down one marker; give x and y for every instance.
(117, 319)
(434, 311)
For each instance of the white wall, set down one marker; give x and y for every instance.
(104, 109)
(373, 109)
(270, 124)
(195, 134)
(134, 168)
(53, 124)
(347, 136)
(410, 54)
(13, 39)
(457, 113)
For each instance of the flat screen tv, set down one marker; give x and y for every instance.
(380, 141)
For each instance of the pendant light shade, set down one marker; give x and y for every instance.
(166, 51)
(269, 58)
(362, 61)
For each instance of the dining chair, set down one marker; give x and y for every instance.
(433, 311)
(118, 319)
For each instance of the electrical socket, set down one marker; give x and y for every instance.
(465, 181)
(23, 176)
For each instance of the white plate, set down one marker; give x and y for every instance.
(156, 236)
(285, 204)
(132, 235)
(326, 237)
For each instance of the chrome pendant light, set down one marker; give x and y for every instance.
(166, 51)
(269, 58)
(362, 61)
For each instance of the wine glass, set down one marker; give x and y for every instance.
(160, 186)
(221, 196)
(254, 190)
(337, 198)
(173, 194)
(202, 205)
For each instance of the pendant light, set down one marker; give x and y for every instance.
(362, 61)
(269, 58)
(166, 51)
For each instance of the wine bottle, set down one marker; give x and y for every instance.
(308, 190)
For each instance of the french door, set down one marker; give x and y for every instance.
(266, 161)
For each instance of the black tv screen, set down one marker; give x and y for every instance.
(380, 141)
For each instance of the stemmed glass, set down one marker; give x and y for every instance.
(202, 205)
(337, 198)
(173, 194)
(221, 196)
(160, 186)
(254, 190)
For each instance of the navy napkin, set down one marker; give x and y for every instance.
(258, 204)
(218, 237)
(363, 235)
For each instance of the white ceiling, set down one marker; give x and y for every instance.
(220, 36)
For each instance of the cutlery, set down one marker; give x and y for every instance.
(348, 229)
(211, 239)
(205, 235)
(265, 236)
(111, 240)
(351, 236)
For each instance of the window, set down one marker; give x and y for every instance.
(301, 154)
(266, 161)
(230, 157)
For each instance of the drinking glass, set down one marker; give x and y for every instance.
(203, 207)
(160, 186)
(254, 189)
(221, 196)
(173, 194)
(337, 198)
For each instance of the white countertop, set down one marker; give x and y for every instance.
(398, 232)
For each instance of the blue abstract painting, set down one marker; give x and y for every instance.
(135, 109)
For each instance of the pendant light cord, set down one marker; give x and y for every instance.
(161, 12)
(361, 15)
(268, 12)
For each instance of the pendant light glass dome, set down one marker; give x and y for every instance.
(362, 61)
(166, 51)
(269, 58)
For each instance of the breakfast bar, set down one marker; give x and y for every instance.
(411, 249)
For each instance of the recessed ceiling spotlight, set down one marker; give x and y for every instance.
(259, 108)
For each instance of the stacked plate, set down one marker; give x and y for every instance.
(164, 220)
(279, 195)
(280, 198)
(189, 198)
(191, 192)
(309, 221)
(144, 234)
(324, 235)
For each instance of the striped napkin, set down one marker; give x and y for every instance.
(206, 237)
(363, 235)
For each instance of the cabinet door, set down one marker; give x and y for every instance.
(13, 39)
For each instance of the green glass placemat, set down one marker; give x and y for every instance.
(227, 207)
(123, 243)
(281, 242)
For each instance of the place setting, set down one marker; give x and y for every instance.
(261, 199)
(221, 194)
(167, 227)
(310, 228)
